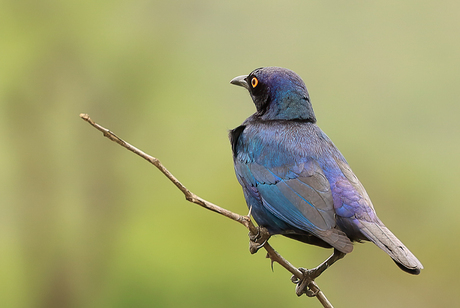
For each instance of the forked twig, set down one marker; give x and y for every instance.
(244, 220)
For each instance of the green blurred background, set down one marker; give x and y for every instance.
(85, 223)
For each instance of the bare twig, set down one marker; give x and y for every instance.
(244, 220)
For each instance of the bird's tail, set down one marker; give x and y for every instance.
(388, 242)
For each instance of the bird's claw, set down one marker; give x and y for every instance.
(303, 284)
(258, 240)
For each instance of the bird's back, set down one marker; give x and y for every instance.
(277, 163)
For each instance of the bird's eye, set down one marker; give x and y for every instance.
(254, 82)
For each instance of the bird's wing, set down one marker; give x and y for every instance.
(297, 193)
(355, 204)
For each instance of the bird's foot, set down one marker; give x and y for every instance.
(309, 276)
(303, 284)
(258, 240)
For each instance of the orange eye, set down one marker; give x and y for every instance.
(254, 82)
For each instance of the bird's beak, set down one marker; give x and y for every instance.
(240, 81)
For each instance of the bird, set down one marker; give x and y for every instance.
(295, 181)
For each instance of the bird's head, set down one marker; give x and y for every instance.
(278, 93)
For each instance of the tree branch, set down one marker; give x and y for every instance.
(191, 197)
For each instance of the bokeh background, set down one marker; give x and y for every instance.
(85, 223)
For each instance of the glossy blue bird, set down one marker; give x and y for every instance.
(295, 181)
